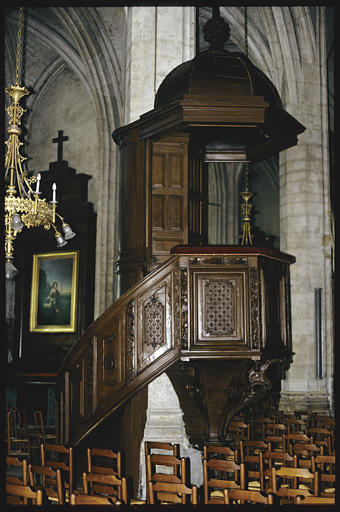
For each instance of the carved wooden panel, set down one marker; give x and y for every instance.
(219, 308)
(168, 196)
(155, 323)
(110, 361)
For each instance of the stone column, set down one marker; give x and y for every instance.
(158, 40)
(305, 233)
(164, 423)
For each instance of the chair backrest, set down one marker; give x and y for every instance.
(169, 492)
(322, 437)
(305, 449)
(239, 429)
(48, 479)
(220, 452)
(313, 500)
(241, 497)
(296, 425)
(250, 448)
(23, 494)
(14, 462)
(221, 474)
(104, 460)
(108, 485)
(88, 499)
(58, 456)
(295, 476)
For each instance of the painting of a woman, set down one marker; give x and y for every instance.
(53, 292)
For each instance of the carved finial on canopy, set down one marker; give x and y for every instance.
(216, 30)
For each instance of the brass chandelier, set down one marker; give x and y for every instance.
(24, 205)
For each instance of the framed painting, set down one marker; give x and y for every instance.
(54, 292)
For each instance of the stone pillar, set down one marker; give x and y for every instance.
(158, 39)
(305, 233)
(164, 423)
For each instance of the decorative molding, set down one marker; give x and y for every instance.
(130, 342)
(218, 261)
(184, 308)
(254, 307)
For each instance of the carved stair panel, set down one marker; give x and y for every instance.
(134, 341)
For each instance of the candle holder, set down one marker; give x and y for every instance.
(246, 208)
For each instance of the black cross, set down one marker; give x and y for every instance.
(60, 139)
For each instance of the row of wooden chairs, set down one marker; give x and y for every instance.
(223, 468)
(20, 439)
(269, 429)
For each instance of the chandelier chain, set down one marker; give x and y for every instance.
(18, 55)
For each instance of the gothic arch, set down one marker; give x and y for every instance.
(80, 40)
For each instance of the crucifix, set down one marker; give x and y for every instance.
(60, 139)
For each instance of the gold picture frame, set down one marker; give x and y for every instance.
(54, 292)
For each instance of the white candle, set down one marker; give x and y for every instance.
(38, 183)
(54, 189)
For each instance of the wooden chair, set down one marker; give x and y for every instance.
(160, 448)
(168, 492)
(104, 461)
(15, 465)
(87, 499)
(60, 457)
(257, 427)
(48, 480)
(219, 475)
(16, 445)
(275, 459)
(296, 425)
(251, 448)
(298, 477)
(242, 497)
(275, 434)
(40, 433)
(313, 500)
(322, 437)
(322, 420)
(239, 430)
(23, 495)
(254, 471)
(305, 449)
(296, 437)
(325, 465)
(106, 485)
